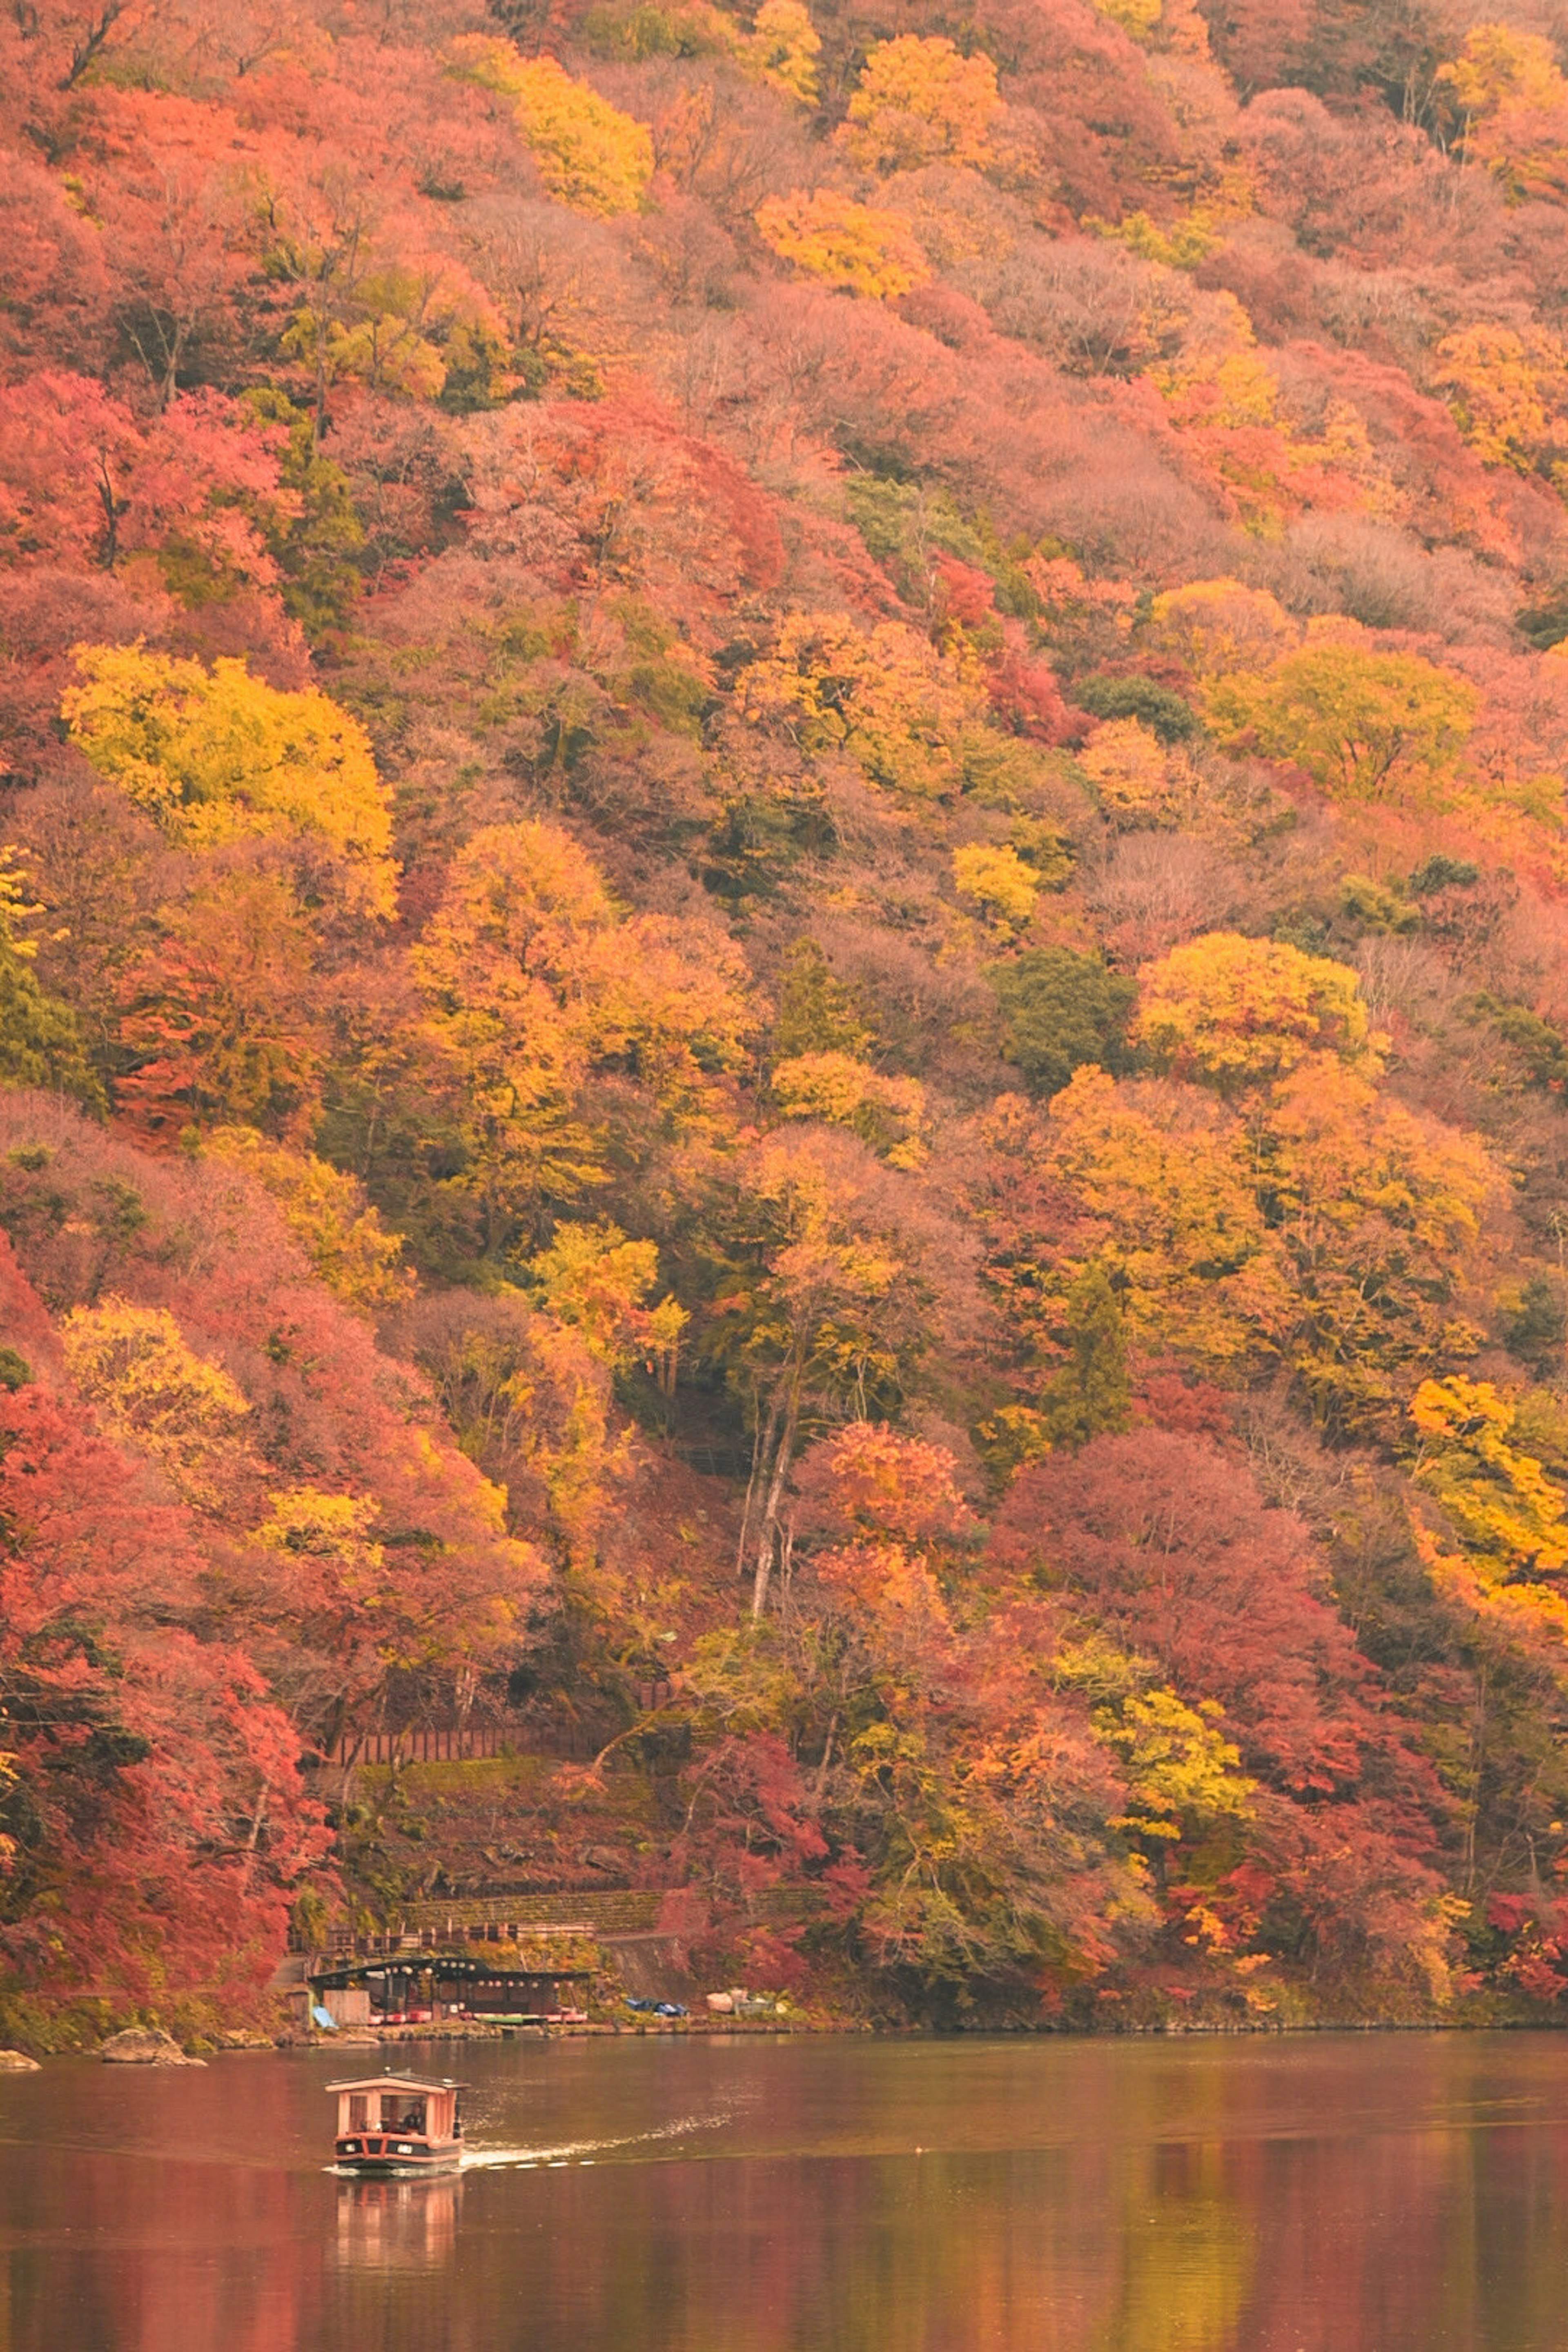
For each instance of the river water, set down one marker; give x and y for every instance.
(1354, 2193)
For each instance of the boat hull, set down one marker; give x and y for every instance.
(416, 2164)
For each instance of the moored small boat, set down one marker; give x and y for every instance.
(398, 2124)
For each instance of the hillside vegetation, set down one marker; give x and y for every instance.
(784, 993)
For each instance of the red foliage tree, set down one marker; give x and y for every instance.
(154, 1812)
(1164, 1540)
(82, 481)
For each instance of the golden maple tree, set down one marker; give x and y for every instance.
(214, 755)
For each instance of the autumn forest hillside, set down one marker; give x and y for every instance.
(784, 993)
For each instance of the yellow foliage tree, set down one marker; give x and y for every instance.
(921, 101)
(532, 979)
(1136, 18)
(383, 344)
(1508, 392)
(328, 1215)
(1361, 722)
(1375, 1212)
(361, 1613)
(1499, 66)
(1226, 395)
(856, 248)
(782, 49)
(999, 882)
(1137, 780)
(886, 698)
(886, 1113)
(154, 1393)
(1334, 1231)
(1169, 1211)
(335, 1527)
(1507, 1514)
(1215, 626)
(822, 1308)
(590, 156)
(214, 755)
(1508, 102)
(597, 1282)
(1237, 1011)
(1183, 1774)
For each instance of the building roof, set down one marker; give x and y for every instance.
(451, 1967)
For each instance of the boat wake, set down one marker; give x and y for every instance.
(586, 2151)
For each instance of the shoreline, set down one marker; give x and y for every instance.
(363, 2041)
(753, 2028)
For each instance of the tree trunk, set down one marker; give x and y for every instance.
(762, 1447)
(768, 1543)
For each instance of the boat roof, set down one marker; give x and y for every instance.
(390, 2082)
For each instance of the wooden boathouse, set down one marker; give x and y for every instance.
(422, 1988)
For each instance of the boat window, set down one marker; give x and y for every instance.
(402, 2113)
(359, 2111)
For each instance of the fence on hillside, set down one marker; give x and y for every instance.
(438, 1923)
(519, 1735)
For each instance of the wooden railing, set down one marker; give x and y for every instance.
(462, 1744)
(425, 1745)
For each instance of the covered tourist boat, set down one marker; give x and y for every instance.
(398, 2124)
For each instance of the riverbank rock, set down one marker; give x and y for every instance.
(16, 2062)
(137, 2047)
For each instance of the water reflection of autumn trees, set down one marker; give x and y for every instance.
(1333, 2197)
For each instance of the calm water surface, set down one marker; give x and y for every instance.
(1354, 2194)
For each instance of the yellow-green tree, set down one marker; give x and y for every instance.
(1363, 723)
(41, 1042)
(590, 156)
(858, 249)
(1137, 18)
(596, 1281)
(921, 101)
(1236, 1012)
(1183, 1774)
(216, 755)
(383, 343)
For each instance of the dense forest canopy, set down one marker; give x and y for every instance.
(783, 980)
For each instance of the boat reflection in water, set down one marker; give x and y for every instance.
(397, 2224)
